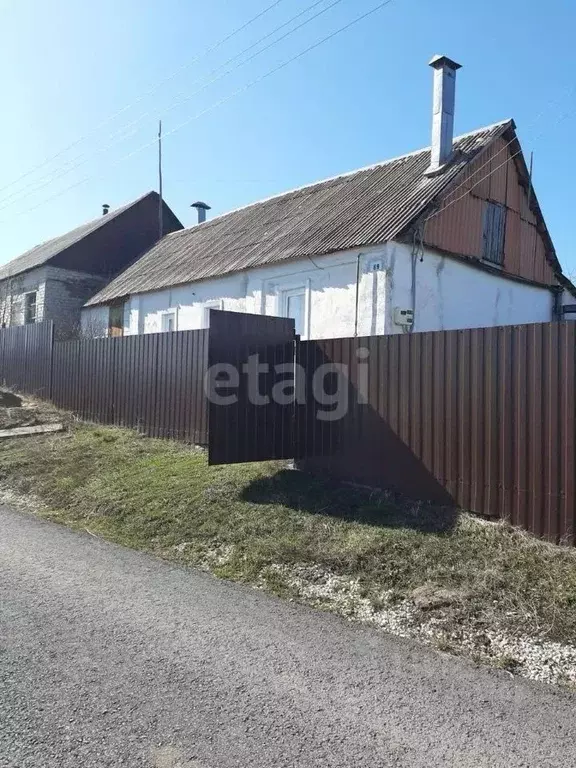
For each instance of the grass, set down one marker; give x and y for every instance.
(245, 521)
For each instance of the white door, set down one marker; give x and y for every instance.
(168, 322)
(294, 306)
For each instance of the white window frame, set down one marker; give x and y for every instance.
(208, 305)
(166, 313)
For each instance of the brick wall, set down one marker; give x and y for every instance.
(66, 292)
(60, 296)
(12, 296)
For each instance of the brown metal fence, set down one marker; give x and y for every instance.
(83, 378)
(482, 419)
(250, 428)
(26, 358)
(154, 383)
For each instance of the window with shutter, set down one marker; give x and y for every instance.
(493, 233)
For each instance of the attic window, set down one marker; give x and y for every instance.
(493, 233)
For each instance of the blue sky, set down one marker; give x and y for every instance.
(364, 96)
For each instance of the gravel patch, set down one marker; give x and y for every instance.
(25, 502)
(531, 657)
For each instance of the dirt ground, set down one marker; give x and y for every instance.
(22, 411)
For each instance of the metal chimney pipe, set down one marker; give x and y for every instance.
(443, 112)
(201, 209)
(105, 209)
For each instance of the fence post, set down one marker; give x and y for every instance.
(51, 358)
(113, 375)
(2, 346)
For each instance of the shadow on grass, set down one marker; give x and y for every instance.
(319, 495)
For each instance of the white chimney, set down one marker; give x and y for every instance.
(442, 112)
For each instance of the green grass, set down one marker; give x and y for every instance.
(162, 497)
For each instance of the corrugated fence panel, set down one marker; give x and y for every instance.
(254, 425)
(153, 383)
(83, 378)
(97, 373)
(26, 358)
(483, 419)
(159, 384)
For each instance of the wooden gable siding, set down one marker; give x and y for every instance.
(493, 176)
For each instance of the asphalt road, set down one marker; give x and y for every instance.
(112, 658)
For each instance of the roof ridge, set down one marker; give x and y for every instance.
(100, 220)
(359, 210)
(343, 175)
(497, 124)
(96, 223)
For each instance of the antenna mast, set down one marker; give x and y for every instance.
(161, 203)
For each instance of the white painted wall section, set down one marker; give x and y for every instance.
(450, 294)
(329, 297)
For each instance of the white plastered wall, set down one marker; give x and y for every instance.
(450, 294)
(329, 289)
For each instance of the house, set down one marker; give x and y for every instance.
(447, 237)
(53, 280)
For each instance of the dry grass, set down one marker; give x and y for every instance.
(241, 520)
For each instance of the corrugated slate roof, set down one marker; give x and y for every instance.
(366, 207)
(41, 254)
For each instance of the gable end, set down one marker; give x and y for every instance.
(491, 214)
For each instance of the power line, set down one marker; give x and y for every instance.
(83, 159)
(452, 202)
(486, 176)
(502, 149)
(145, 95)
(222, 101)
(30, 189)
(188, 97)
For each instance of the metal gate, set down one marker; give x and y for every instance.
(251, 365)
